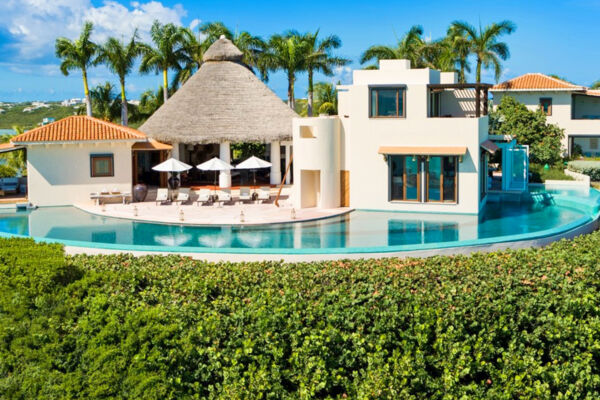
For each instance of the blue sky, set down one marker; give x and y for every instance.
(551, 37)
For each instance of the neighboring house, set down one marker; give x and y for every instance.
(574, 108)
(75, 156)
(405, 140)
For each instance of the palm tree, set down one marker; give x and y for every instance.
(410, 47)
(120, 57)
(460, 50)
(79, 54)
(107, 104)
(319, 59)
(168, 53)
(253, 47)
(288, 53)
(150, 101)
(326, 98)
(484, 44)
(595, 85)
(193, 50)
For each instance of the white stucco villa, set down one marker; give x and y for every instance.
(574, 108)
(406, 140)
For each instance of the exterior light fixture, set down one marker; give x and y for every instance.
(181, 216)
(135, 211)
(414, 158)
(460, 159)
(242, 217)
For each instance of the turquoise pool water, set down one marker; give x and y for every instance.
(551, 212)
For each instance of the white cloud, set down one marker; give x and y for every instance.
(195, 22)
(342, 74)
(35, 24)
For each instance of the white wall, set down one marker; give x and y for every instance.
(360, 138)
(320, 155)
(59, 174)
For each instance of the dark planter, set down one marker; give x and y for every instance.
(140, 191)
(173, 183)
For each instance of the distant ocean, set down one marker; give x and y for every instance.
(6, 132)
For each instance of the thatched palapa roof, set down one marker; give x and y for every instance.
(222, 101)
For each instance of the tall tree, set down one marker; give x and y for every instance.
(410, 47)
(78, 55)
(120, 57)
(193, 51)
(288, 53)
(167, 54)
(485, 45)
(107, 104)
(460, 49)
(320, 59)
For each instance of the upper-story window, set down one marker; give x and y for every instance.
(387, 102)
(546, 105)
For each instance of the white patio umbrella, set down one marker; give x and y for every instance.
(253, 163)
(214, 164)
(172, 165)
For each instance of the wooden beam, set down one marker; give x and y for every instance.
(477, 102)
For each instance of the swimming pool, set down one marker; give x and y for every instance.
(550, 212)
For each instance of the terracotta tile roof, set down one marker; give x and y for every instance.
(536, 81)
(79, 128)
(151, 144)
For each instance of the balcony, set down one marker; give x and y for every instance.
(457, 100)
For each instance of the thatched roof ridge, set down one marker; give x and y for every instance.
(223, 101)
(223, 50)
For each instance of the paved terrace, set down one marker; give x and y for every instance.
(213, 214)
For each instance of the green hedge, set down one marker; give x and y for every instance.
(591, 168)
(506, 325)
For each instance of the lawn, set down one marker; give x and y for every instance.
(513, 324)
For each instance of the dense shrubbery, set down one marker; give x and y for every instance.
(528, 127)
(515, 324)
(590, 168)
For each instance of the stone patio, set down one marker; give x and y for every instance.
(234, 213)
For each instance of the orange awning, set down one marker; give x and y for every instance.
(150, 145)
(489, 146)
(424, 150)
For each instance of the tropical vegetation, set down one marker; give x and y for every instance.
(180, 50)
(529, 128)
(120, 58)
(80, 55)
(452, 52)
(504, 325)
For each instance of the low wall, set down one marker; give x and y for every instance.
(578, 176)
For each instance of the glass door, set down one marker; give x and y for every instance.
(411, 178)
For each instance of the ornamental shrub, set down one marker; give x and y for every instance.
(530, 128)
(590, 168)
(513, 324)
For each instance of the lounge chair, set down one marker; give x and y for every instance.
(162, 196)
(204, 196)
(223, 196)
(264, 194)
(183, 196)
(245, 194)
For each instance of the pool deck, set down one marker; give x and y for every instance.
(212, 214)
